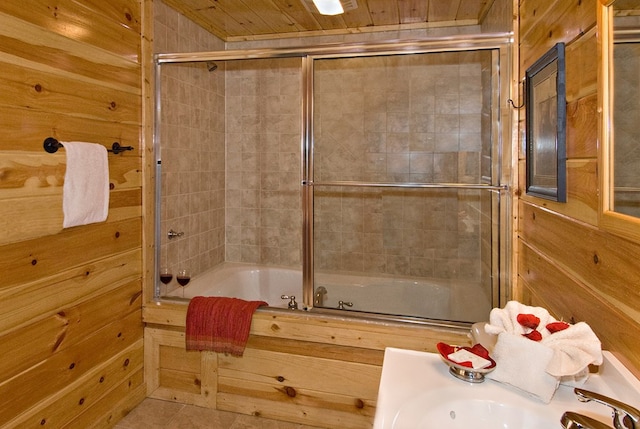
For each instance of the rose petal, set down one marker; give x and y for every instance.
(528, 320)
(557, 326)
(533, 335)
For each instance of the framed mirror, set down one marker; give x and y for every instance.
(620, 160)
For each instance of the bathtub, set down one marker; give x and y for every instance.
(380, 295)
(248, 282)
(386, 295)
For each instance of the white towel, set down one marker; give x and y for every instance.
(521, 363)
(574, 349)
(85, 194)
(506, 319)
(562, 356)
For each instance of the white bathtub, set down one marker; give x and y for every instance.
(405, 297)
(248, 282)
(387, 295)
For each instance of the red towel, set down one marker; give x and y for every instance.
(219, 324)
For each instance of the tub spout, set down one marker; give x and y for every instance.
(318, 298)
(571, 420)
(624, 416)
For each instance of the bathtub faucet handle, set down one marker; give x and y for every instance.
(293, 305)
(341, 305)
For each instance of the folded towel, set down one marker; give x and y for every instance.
(85, 193)
(521, 363)
(219, 324)
(559, 352)
(574, 349)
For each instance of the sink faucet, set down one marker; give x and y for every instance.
(624, 416)
(571, 420)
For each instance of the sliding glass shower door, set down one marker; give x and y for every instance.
(405, 183)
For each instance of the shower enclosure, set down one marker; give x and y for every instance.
(374, 168)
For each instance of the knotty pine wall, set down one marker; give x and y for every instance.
(567, 262)
(70, 300)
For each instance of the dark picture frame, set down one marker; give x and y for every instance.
(546, 121)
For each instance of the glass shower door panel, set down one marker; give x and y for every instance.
(382, 127)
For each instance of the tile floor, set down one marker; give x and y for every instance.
(157, 414)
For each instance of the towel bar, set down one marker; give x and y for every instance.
(51, 145)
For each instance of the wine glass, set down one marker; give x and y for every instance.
(183, 277)
(165, 275)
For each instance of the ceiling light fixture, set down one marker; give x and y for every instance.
(329, 7)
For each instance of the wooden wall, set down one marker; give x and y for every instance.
(70, 300)
(567, 262)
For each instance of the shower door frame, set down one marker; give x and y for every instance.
(500, 180)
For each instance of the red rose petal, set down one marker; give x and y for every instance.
(479, 350)
(445, 349)
(533, 335)
(528, 320)
(557, 326)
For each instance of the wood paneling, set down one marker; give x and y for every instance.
(71, 299)
(91, 395)
(567, 262)
(297, 367)
(551, 286)
(562, 21)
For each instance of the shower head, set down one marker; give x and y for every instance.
(211, 66)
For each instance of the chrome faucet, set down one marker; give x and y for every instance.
(318, 298)
(293, 305)
(624, 416)
(341, 305)
(571, 420)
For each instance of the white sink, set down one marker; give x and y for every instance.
(417, 391)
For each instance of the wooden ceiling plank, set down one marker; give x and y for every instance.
(411, 11)
(384, 12)
(358, 17)
(206, 15)
(244, 15)
(299, 14)
(470, 9)
(443, 10)
(270, 18)
(484, 10)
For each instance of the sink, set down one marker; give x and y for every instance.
(417, 391)
(437, 409)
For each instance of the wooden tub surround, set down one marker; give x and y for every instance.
(298, 367)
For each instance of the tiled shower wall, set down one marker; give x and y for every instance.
(263, 114)
(192, 141)
(415, 118)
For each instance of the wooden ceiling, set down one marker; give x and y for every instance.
(237, 20)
